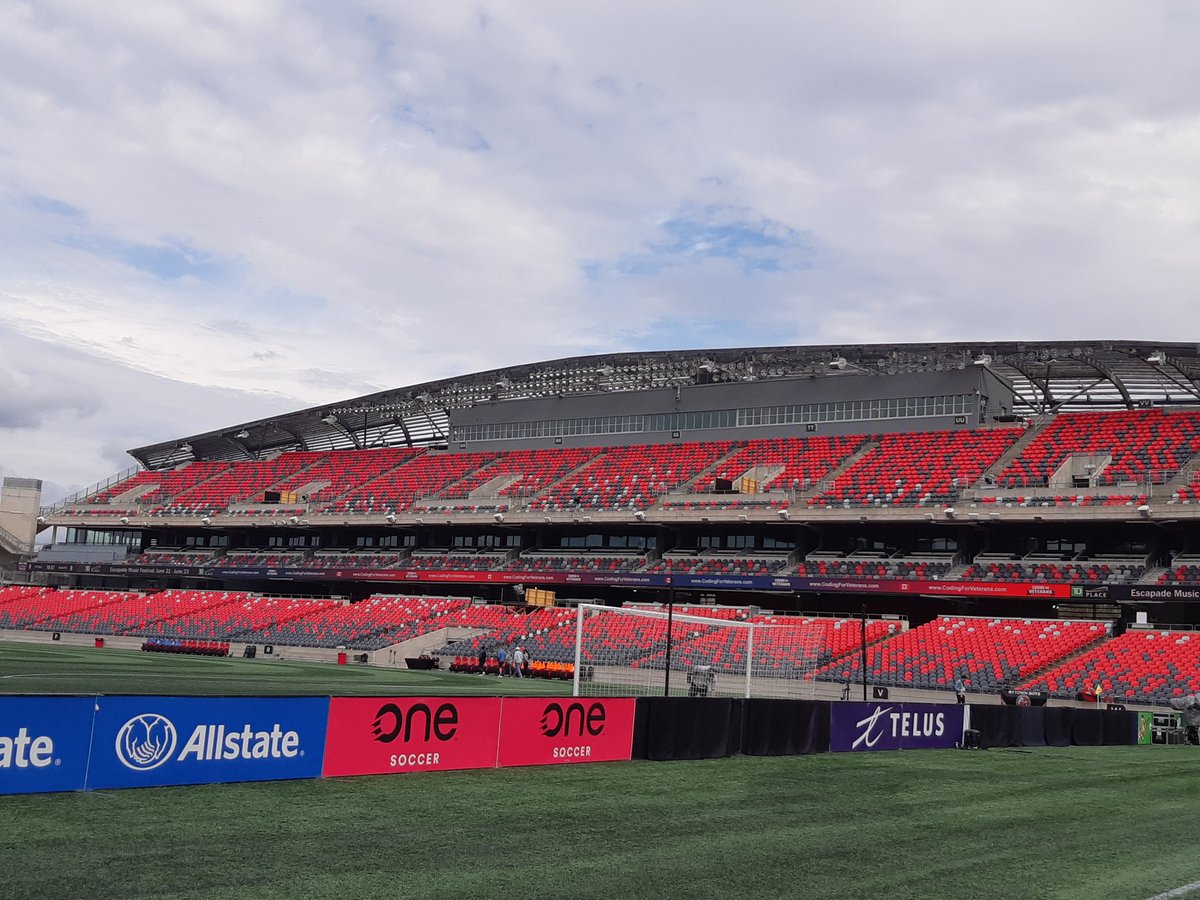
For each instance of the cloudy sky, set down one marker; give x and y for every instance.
(213, 211)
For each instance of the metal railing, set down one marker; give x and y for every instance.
(89, 491)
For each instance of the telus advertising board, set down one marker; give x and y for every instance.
(145, 741)
(44, 743)
(541, 731)
(895, 726)
(379, 735)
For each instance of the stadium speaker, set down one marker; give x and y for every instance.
(640, 515)
(270, 496)
(498, 517)
(784, 514)
(971, 740)
(124, 520)
(206, 521)
(391, 518)
(250, 652)
(295, 520)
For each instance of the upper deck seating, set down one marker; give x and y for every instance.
(632, 477)
(928, 468)
(1146, 446)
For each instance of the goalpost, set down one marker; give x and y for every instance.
(621, 651)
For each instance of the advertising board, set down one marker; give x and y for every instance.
(380, 735)
(145, 741)
(44, 743)
(536, 731)
(895, 726)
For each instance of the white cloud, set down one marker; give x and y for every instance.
(303, 202)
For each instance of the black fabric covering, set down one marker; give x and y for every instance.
(1032, 725)
(1058, 726)
(1087, 727)
(1120, 728)
(687, 728)
(998, 726)
(786, 727)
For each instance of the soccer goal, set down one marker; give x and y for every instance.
(622, 651)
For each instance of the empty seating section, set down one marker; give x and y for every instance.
(804, 462)
(784, 647)
(632, 477)
(531, 469)
(1145, 446)
(243, 618)
(242, 482)
(273, 559)
(367, 625)
(1183, 570)
(358, 560)
(917, 469)
(426, 473)
(1096, 571)
(173, 558)
(987, 653)
(1137, 667)
(344, 471)
(167, 483)
(457, 560)
(714, 563)
(853, 567)
(565, 562)
(48, 609)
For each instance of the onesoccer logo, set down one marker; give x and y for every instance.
(145, 742)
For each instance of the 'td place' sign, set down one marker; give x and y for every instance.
(144, 741)
(539, 731)
(44, 743)
(378, 735)
(894, 726)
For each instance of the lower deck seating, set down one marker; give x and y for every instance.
(1138, 667)
(987, 654)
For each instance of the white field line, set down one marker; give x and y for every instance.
(1178, 892)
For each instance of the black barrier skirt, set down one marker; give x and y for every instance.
(785, 727)
(1058, 726)
(1087, 728)
(687, 728)
(1032, 721)
(998, 726)
(1120, 728)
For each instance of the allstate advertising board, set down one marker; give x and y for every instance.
(44, 743)
(147, 741)
(895, 726)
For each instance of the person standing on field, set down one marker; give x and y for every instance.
(518, 662)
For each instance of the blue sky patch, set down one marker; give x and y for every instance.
(756, 245)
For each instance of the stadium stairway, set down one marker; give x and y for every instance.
(808, 498)
(987, 479)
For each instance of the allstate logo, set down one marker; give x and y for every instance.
(145, 742)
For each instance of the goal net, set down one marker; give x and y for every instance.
(701, 651)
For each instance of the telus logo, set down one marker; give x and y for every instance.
(23, 751)
(573, 721)
(147, 741)
(391, 722)
(883, 722)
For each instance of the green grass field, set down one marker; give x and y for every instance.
(1093, 822)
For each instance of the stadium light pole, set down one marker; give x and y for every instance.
(670, 617)
(863, 663)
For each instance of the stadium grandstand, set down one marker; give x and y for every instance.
(1016, 514)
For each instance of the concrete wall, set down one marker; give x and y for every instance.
(20, 499)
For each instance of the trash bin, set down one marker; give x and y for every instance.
(100, 642)
(341, 659)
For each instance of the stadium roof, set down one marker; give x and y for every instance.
(1045, 377)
